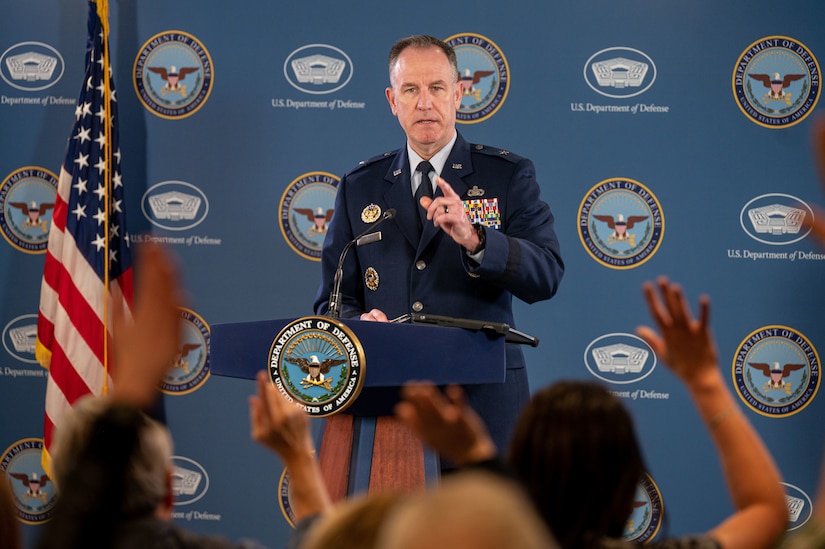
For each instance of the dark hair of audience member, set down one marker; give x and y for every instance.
(575, 449)
(92, 489)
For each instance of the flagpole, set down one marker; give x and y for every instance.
(103, 14)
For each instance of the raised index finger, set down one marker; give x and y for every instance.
(445, 187)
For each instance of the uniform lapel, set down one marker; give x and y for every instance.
(399, 196)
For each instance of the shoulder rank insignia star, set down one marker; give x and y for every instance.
(370, 213)
(479, 147)
(475, 191)
(503, 152)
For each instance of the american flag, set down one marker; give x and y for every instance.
(88, 262)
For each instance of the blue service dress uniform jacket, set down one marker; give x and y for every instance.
(409, 272)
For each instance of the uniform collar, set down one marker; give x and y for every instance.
(438, 160)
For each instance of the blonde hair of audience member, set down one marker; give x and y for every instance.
(469, 510)
(147, 476)
(353, 524)
(9, 527)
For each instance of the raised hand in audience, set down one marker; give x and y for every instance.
(686, 345)
(445, 422)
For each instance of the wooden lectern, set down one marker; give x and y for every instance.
(364, 448)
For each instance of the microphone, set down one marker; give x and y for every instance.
(369, 239)
(363, 238)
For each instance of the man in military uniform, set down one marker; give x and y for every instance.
(475, 234)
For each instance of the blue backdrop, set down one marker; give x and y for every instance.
(641, 108)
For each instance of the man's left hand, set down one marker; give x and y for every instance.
(447, 212)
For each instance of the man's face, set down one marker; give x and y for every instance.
(425, 97)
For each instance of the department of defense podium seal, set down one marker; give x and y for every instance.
(319, 363)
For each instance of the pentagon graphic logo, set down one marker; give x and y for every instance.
(484, 74)
(27, 198)
(619, 358)
(305, 210)
(621, 224)
(318, 69)
(33, 493)
(319, 363)
(648, 509)
(173, 75)
(800, 507)
(31, 66)
(20, 338)
(776, 82)
(175, 205)
(775, 219)
(776, 371)
(190, 369)
(190, 481)
(619, 72)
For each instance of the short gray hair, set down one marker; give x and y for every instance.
(144, 480)
(423, 42)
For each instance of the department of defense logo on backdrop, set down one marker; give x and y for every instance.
(318, 69)
(285, 497)
(484, 74)
(20, 338)
(776, 371)
(305, 210)
(621, 223)
(190, 369)
(27, 198)
(800, 507)
(174, 205)
(776, 82)
(190, 481)
(775, 219)
(619, 72)
(31, 66)
(173, 74)
(33, 493)
(648, 510)
(319, 363)
(619, 358)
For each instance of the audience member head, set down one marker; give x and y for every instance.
(112, 464)
(575, 449)
(469, 510)
(354, 524)
(89, 435)
(9, 527)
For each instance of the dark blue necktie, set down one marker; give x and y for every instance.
(424, 189)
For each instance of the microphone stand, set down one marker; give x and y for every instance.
(335, 295)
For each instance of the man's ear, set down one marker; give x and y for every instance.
(390, 93)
